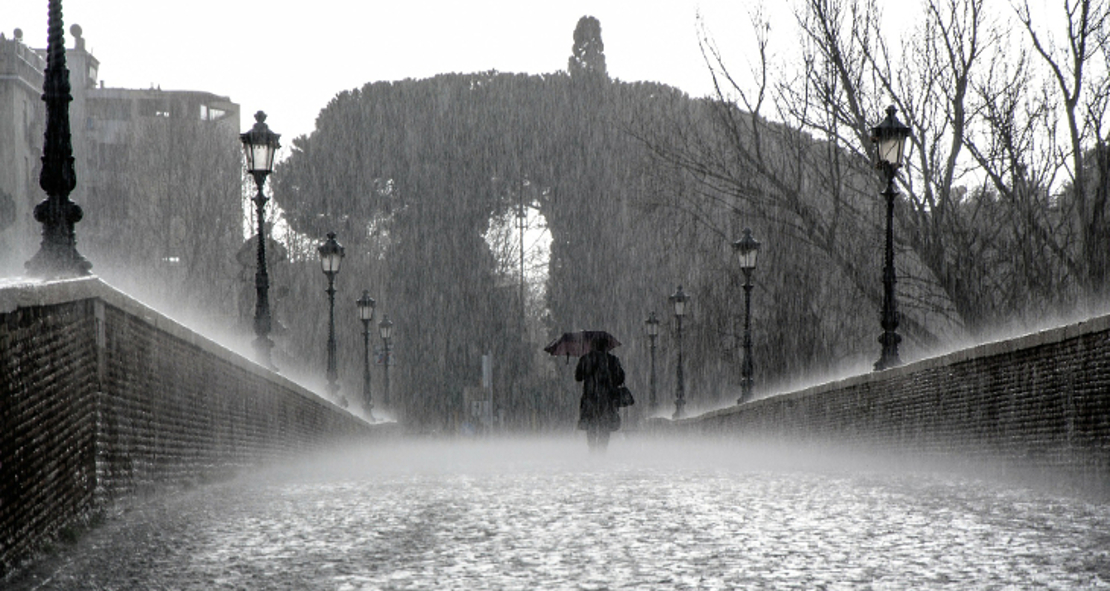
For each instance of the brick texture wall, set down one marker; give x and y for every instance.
(1040, 402)
(101, 398)
(47, 423)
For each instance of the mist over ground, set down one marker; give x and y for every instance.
(543, 513)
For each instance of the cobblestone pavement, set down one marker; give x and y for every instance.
(544, 514)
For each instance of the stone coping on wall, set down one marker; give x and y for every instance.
(23, 292)
(989, 349)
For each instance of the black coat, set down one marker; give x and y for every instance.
(600, 373)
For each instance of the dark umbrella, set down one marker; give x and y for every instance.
(578, 343)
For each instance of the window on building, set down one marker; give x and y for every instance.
(211, 113)
(154, 108)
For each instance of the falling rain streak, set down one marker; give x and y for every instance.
(486, 213)
(489, 212)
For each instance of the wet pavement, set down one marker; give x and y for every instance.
(545, 514)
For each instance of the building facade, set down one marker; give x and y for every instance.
(159, 175)
(22, 123)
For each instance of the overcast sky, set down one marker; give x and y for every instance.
(290, 58)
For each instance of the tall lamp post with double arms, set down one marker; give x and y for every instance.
(747, 250)
(260, 145)
(889, 138)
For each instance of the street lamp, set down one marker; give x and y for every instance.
(57, 255)
(331, 257)
(889, 138)
(652, 332)
(678, 300)
(366, 314)
(385, 329)
(260, 146)
(747, 250)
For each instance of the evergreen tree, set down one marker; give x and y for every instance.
(588, 53)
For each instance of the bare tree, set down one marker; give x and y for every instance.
(180, 202)
(1077, 68)
(986, 225)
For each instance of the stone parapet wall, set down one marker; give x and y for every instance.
(22, 63)
(1038, 402)
(101, 398)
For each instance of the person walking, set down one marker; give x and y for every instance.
(601, 374)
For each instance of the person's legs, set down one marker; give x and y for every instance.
(592, 433)
(602, 440)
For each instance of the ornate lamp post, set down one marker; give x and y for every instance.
(889, 138)
(366, 314)
(385, 329)
(652, 323)
(678, 300)
(260, 146)
(331, 257)
(57, 255)
(747, 249)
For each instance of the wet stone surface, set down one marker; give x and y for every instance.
(547, 515)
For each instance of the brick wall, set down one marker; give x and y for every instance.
(1035, 403)
(101, 398)
(47, 422)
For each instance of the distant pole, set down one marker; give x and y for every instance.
(680, 387)
(57, 256)
(385, 330)
(385, 395)
(262, 318)
(331, 257)
(333, 373)
(653, 332)
(889, 317)
(747, 370)
(678, 299)
(366, 393)
(747, 251)
(366, 314)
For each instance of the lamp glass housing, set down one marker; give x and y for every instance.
(678, 299)
(331, 254)
(652, 325)
(260, 157)
(385, 328)
(890, 150)
(365, 307)
(889, 138)
(260, 145)
(747, 251)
